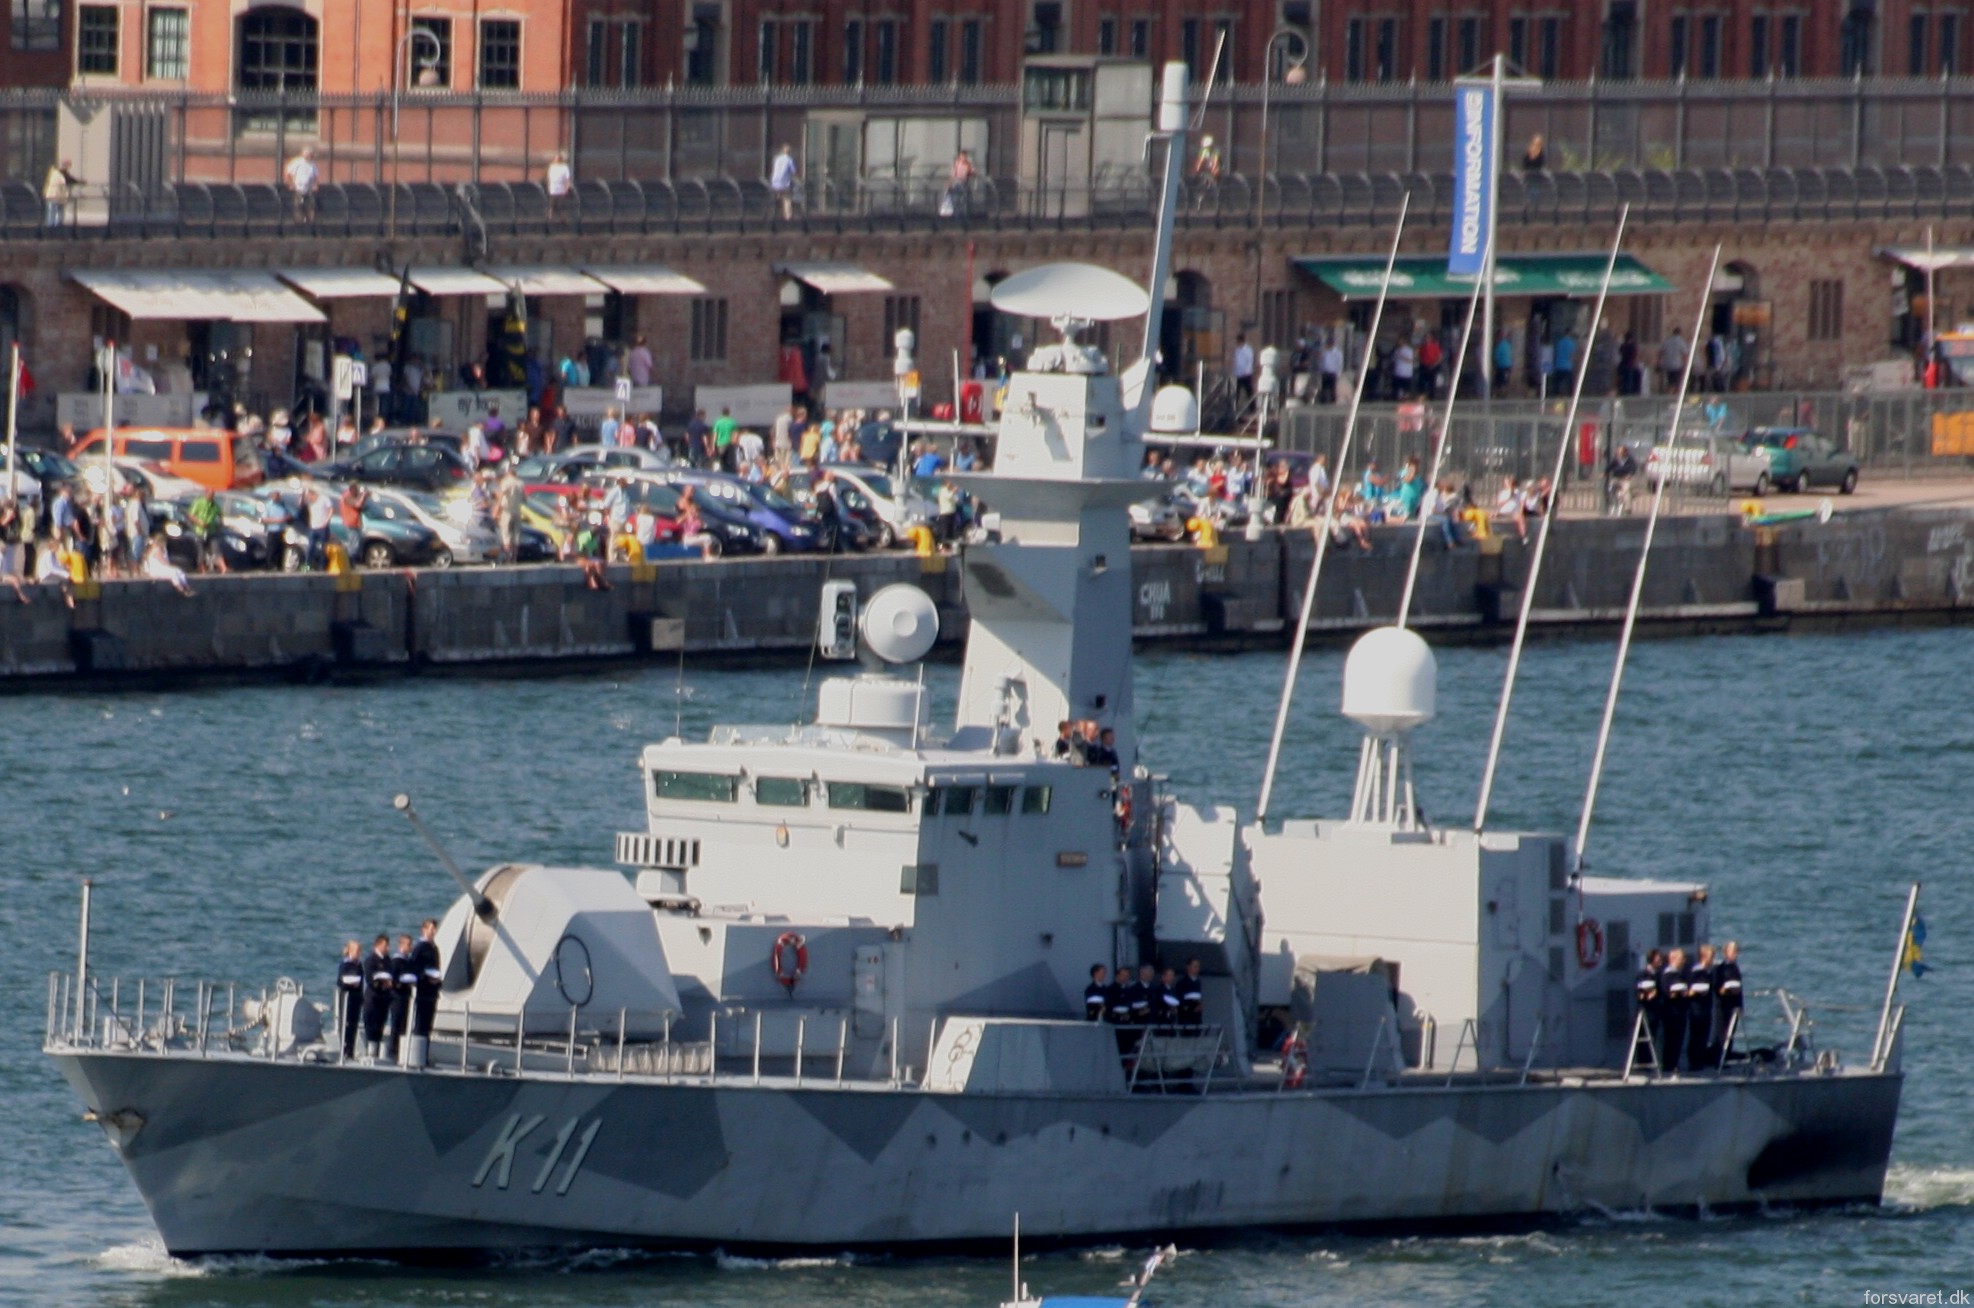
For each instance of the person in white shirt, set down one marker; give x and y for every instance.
(301, 175)
(1332, 369)
(1404, 368)
(781, 180)
(750, 446)
(1244, 366)
(380, 383)
(561, 180)
(159, 567)
(475, 446)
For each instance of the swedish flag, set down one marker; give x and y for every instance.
(1915, 939)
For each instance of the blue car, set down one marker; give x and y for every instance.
(785, 526)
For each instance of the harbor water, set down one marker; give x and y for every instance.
(246, 833)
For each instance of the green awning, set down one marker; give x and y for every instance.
(1424, 277)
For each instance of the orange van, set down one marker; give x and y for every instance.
(211, 456)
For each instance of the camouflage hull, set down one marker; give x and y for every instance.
(233, 1155)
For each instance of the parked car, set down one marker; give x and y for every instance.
(577, 461)
(731, 528)
(1799, 458)
(283, 539)
(1720, 464)
(46, 467)
(898, 512)
(459, 542)
(210, 456)
(408, 467)
(382, 543)
(156, 483)
(784, 525)
(241, 552)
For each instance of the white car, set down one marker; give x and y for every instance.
(157, 484)
(460, 542)
(920, 504)
(1716, 463)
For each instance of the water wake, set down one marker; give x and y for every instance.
(1920, 1189)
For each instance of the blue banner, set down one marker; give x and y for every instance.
(1476, 154)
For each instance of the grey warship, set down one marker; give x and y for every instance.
(830, 997)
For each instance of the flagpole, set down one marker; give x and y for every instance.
(1878, 1050)
(13, 419)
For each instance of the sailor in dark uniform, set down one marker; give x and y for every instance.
(1096, 995)
(379, 979)
(1645, 989)
(1165, 1001)
(349, 993)
(1672, 1021)
(1118, 996)
(1700, 1011)
(1192, 997)
(404, 980)
(1727, 994)
(426, 963)
(1142, 995)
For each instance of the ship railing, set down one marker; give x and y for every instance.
(1174, 1060)
(96, 1012)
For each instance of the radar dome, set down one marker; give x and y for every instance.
(1174, 411)
(900, 624)
(1390, 681)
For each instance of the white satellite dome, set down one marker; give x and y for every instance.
(900, 624)
(1174, 411)
(1390, 681)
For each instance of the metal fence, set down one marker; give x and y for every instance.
(845, 134)
(1890, 433)
(923, 200)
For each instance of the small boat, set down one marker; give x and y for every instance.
(1136, 1284)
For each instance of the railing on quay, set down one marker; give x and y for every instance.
(1889, 432)
(921, 198)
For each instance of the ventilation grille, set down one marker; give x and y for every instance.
(640, 849)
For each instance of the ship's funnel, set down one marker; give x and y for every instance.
(1390, 688)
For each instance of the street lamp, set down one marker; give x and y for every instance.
(1294, 73)
(428, 77)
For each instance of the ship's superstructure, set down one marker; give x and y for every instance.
(835, 996)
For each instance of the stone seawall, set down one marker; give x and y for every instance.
(1709, 573)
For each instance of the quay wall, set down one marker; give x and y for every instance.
(1706, 573)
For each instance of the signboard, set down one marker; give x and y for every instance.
(751, 406)
(862, 394)
(592, 402)
(458, 410)
(84, 409)
(1476, 156)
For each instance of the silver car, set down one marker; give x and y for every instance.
(1711, 462)
(459, 541)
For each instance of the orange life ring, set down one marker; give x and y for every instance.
(1124, 807)
(790, 959)
(1589, 943)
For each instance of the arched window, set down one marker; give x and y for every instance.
(277, 53)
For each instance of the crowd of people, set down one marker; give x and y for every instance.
(1691, 1007)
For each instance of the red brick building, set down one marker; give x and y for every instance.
(501, 46)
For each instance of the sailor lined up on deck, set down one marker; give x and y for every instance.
(395, 993)
(1156, 998)
(1690, 1008)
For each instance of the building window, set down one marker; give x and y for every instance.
(596, 52)
(96, 39)
(853, 52)
(1549, 47)
(166, 43)
(1387, 49)
(1044, 35)
(1141, 38)
(970, 51)
(765, 62)
(1353, 50)
(1949, 43)
(630, 55)
(1710, 46)
(1676, 50)
(278, 53)
(37, 25)
(1826, 310)
(884, 51)
(801, 52)
(1436, 49)
(423, 55)
(500, 54)
(1758, 46)
(709, 331)
(1854, 40)
(1224, 47)
(1789, 50)
(1619, 58)
(1915, 45)
(938, 38)
(1189, 51)
(702, 46)
(900, 311)
(1467, 35)
(1518, 42)
(1107, 36)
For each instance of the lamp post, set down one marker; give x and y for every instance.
(1294, 74)
(428, 76)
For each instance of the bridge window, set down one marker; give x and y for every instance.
(705, 787)
(1035, 799)
(870, 799)
(999, 801)
(951, 801)
(781, 792)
